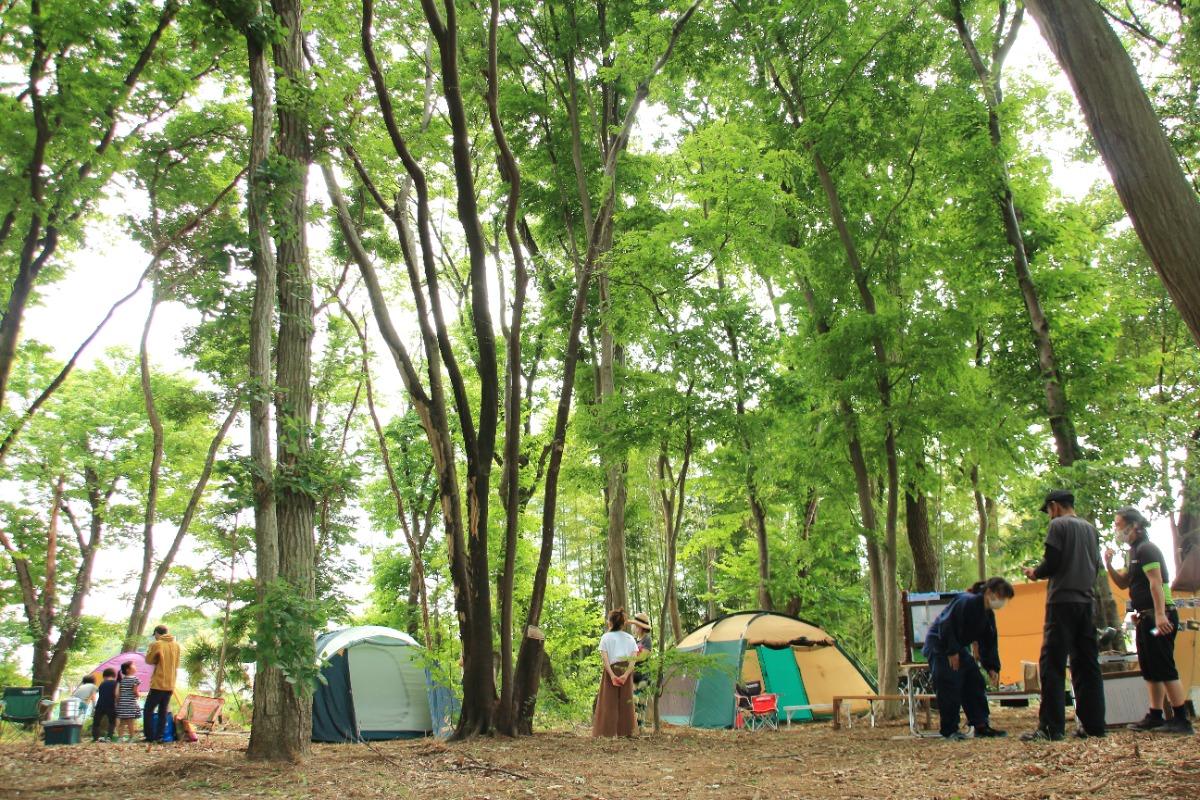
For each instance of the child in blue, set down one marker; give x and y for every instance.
(970, 618)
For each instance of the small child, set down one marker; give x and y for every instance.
(86, 695)
(128, 710)
(104, 719)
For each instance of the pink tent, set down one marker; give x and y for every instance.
(141, 668)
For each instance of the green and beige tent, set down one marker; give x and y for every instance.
(794, 659)
(375, 684)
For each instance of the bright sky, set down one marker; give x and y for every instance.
(110, 263)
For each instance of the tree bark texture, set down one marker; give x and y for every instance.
(282, 724)
(1146, 172)
(1185, 530)
(916, 525)
(983, 513)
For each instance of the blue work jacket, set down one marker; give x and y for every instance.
(966, 620)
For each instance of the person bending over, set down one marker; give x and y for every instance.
(969, 619)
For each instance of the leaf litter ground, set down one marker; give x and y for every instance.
(807, 761)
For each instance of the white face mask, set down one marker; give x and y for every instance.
(997, 603)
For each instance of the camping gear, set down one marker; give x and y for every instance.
(63, 731)
(141, 669)
(199, 711)
(762, 714)
(168, 730)
(1018, 625)
(793, 659)
(72, 709)
(377, 686)
(21, 705)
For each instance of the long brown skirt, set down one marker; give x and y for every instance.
(614, 714)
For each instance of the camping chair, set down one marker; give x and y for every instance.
(763, 712)
(198, 711)
(22, 705)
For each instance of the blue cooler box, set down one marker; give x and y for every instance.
(63, 731)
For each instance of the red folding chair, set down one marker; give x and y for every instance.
(763, 713)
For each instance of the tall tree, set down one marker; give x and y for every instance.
(1162, 205)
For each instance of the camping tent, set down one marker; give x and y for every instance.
(794, 659)
(376, 686)
(142, 670)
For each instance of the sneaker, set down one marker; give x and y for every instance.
(1147, 723)
(1080, 733)
(988, 732)
(957, 736)
(1042, 735)
(1178, 725)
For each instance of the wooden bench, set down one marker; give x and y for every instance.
(872, 699)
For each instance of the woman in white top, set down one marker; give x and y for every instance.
(614, 713)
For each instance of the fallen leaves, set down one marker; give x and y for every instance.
(804, 762)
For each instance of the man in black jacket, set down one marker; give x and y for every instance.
(1071, 561)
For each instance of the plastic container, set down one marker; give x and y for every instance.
(70, 709)
(63, 731)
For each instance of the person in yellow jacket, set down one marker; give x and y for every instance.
(164, 655)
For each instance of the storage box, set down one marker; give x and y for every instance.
(63, 731)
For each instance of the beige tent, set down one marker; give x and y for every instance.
(792, 658)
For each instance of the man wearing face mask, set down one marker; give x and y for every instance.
(970, 618)
(1071, 561)
(1146, 579)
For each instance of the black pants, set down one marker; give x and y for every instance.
(1071, 631)
(157, 700)
(959, 688)
(104, 723)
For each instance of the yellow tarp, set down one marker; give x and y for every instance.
(1187, 643)
(1020, 627)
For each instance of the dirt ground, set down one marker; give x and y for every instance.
(807, 761)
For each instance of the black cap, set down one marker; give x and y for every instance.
(1060, 496)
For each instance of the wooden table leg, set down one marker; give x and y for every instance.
(837, 713)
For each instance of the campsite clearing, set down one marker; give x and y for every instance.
(807, 761)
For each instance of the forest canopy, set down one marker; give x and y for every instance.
(501, 315)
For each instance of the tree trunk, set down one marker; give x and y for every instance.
(615, 471)
(510, 483)
(889, 665)
(528, 671)
(281, 728)
(710, 589)
(226, 614)
(984, 517)
(1152, 186)
(916, 524)
(1066, 442)
(137, 617)
(758, 514)
(1185, 530)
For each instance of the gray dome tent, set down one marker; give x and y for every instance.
(376, 687)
